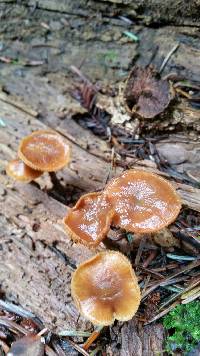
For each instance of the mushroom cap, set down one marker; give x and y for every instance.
(44, 150)
(89, 220)
(143, 202)
(105, 288)
(18, 170)
(146, 94)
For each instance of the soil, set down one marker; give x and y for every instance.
(40, 89)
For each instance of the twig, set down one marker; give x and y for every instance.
(158, 316)
(80, 74)
(191, 298)
(170, 279)
(16, 309)
(78, 348)
(140, 249)
(42, 332)
(179, 294)
(4, 346)
(184, 93)
(190, 295)
(146, 283)
(158, 275)
(168, 57)
(58, 348)
(76, 333)
(13, 326)
(150, 258)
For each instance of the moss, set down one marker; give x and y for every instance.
(183, 324)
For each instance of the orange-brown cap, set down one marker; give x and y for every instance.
(89, 220)
(105, 288)
(18, 170)
(143, 202)
(44, 150)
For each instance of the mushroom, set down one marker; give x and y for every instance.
(89, 220)
(42, 151)
(146, 94)
(18, 170)
(143, 201)
(105, 288)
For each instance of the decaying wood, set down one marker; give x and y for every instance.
(153, 11)
(32, 273)
(136, 340)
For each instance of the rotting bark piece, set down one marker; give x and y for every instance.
(89, 220)
(44, 150)
(146, 94)
(18, 170)
(143, 202)
(105, 288)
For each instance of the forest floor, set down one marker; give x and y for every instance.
(52, 65)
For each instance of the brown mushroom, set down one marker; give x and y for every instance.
(18, 170)
(44, 150)
(89, 220)
(146, 94)
(143, 201)
(105, 288)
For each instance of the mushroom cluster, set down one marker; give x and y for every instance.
(137, 201)
(105, 287)
(42, 151)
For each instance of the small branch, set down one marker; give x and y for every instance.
(168, 57)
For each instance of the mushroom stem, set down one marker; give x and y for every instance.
(92, 337)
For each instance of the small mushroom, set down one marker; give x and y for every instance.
(146, 94)
(18, 170)
(105, 288)
(44, 150)
(89, 220)
(143, 202)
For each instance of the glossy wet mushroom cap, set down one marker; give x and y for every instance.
(44, 150)
(105, 288)
(143, 202)
(18, 170)
(89, 220)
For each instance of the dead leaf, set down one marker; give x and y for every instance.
(29, 345)
(146, 94)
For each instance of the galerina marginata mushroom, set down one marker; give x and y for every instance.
(41, 151)
(89, 220)
(18, 170)
(143, 202)
(105, 288)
